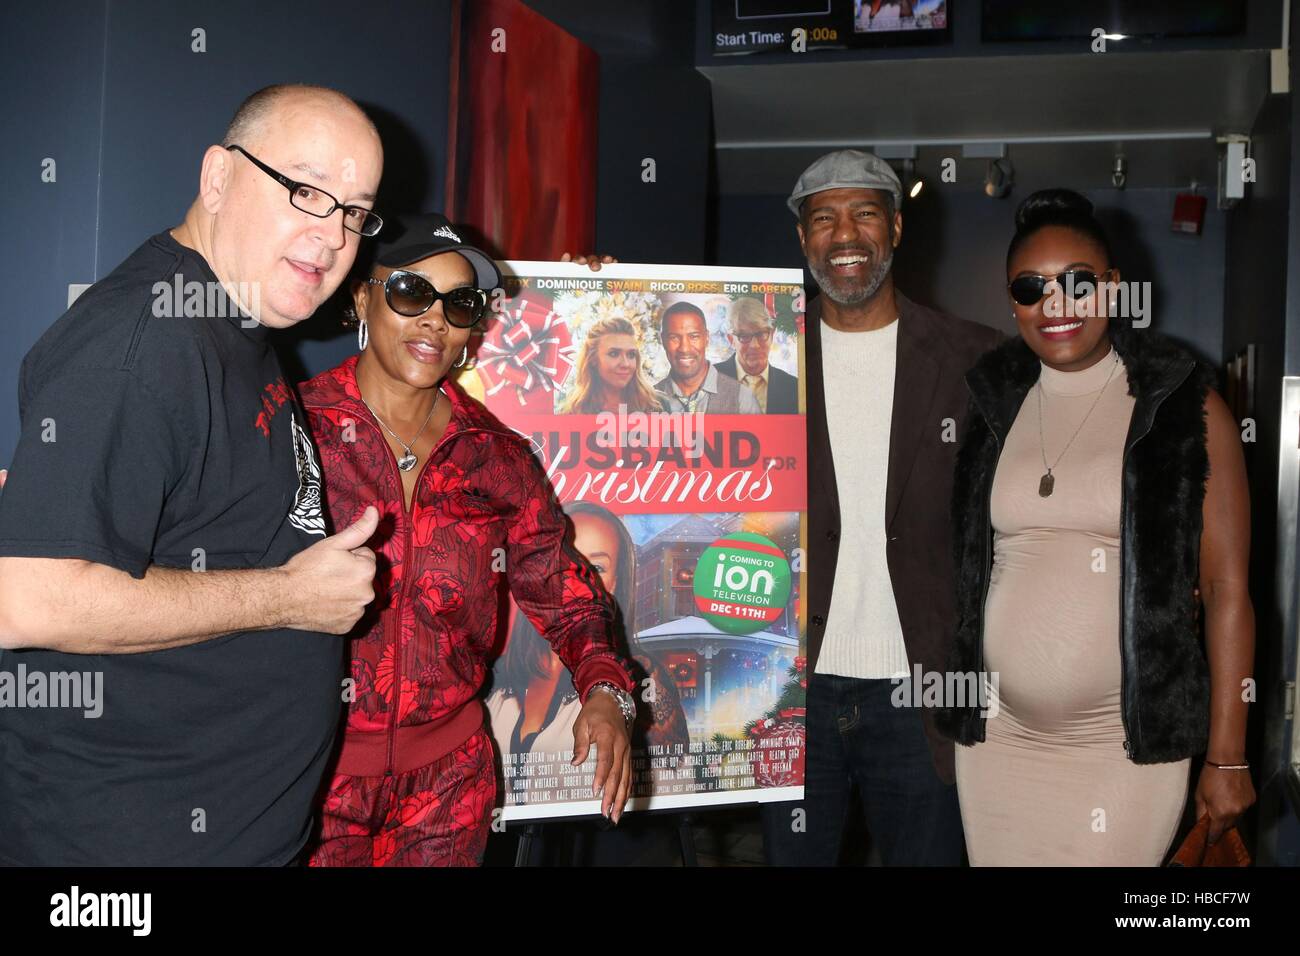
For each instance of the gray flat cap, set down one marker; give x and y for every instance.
(846, 168)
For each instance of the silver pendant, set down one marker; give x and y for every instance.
(1045, 485)
(406, 462)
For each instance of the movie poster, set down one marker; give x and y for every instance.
(666, 405)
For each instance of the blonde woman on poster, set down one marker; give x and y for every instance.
(611, 372)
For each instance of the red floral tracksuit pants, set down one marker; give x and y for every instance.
(436, 815)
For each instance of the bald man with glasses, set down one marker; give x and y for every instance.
(162, 536)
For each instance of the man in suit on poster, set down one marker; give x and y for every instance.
(749, 329)
(693, 385)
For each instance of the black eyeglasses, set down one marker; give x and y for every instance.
(1076, 283)
(317, 202)
(411, 294)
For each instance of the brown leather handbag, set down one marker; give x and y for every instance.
(1195, 851)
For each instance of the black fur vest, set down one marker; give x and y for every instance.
(1165, 678)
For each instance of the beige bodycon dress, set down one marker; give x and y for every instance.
(1051, 785)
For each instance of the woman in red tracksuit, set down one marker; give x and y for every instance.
(465, 510)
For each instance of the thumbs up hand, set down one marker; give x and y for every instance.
(329, 585)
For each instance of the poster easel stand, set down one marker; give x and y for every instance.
(533, 834)
(686, 834)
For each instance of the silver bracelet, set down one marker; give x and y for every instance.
(624, 699)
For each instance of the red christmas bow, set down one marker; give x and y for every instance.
(527, 347)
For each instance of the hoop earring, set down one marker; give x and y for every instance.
(363, 336)
(464, 356)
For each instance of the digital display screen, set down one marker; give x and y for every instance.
(757, 26)
(760, 9)
(893, 16)
(1074, 19)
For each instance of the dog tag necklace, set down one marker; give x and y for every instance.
(1048, 482)
(407, 461)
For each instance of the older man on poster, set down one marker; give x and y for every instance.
(750, 329)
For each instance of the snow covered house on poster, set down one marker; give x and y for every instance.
(723, 679)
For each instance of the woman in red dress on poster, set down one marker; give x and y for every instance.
(465, 511)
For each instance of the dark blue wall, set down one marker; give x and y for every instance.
(653, 104)
(112, 91)
(52, 109)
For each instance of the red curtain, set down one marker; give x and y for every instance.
(522, 152)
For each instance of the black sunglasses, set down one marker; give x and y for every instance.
(317, 202)
(411, 294)
(1076, 283)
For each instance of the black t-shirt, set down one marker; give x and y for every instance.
(157, 428)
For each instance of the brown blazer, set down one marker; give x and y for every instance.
(934, 352)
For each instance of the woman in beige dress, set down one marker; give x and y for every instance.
(1082, 511)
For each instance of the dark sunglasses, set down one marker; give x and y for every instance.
(411, 294)
(1077, 283)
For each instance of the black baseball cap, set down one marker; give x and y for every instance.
(407, 239)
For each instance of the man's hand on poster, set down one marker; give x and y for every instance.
(592, 261)
(601, 723)
(4, 473)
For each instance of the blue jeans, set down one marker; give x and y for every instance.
(856, 735)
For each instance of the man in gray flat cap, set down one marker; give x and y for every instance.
(886, 402)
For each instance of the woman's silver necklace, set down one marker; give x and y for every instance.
(1048, 481)
(407, 461)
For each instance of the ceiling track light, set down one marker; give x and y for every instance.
(999, 178)
(1119, 171)
(912, 183)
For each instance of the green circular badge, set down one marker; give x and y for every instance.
(742, 583)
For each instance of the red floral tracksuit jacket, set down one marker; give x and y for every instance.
(482, 507)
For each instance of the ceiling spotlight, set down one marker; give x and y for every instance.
(1119, 171)
(912, 183)
(999, 179)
